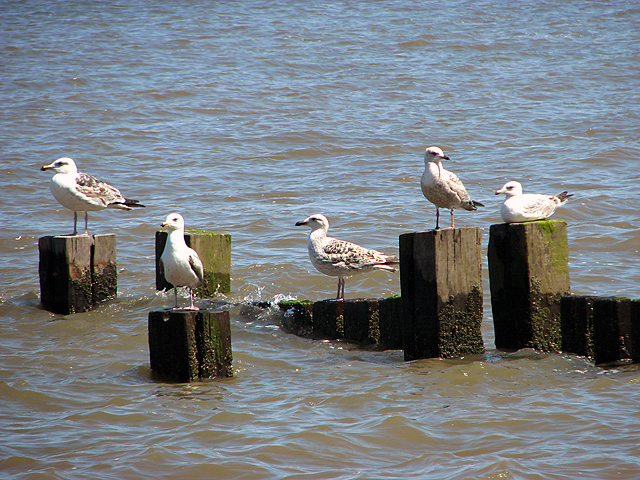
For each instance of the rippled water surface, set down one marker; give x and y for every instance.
(249, 116)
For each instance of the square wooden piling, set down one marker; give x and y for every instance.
(390, 315)
(441, 282)
(297, 317)
(635, 330)
(611, 329)
(328, 319)
(187, 345)
(528, 274)
(77, 271)
(361, 321)
(576, 320)
(214, 249)
(104, 269)
(356, 320)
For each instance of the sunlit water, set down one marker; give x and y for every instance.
(249, 116)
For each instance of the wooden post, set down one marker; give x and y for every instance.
(214, 249)
(635, 330)
(186, 345)
(576, 319)
(77, 271)
(328, 319)
(528, 274)
(297, 317)
(361, 321)
(611, 329)
(440, 278)
(104, 271)
(390, 313)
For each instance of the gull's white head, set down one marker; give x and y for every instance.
(315, 222)
(174, 221)
(434, 154)
(510, 189)
(62, 165)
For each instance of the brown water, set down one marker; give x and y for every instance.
(249, 116)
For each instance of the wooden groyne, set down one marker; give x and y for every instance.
(439, 313)
(77, 272)
(362, 321)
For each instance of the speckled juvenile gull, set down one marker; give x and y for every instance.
(339, 258)
(180, 264)
(442, 187)
(83, 193)
(527, 207)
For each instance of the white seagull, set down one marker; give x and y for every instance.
(83, 193)
(179, 264)
(339, 258)
(442, 187)
(527, 207)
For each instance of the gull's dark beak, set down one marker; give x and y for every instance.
(300, 223)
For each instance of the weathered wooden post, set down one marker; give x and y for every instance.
(390, 314)
(611, 329)
(328, 319)
(635, 330)
(77, 271)
(528, 275)
(104, 272)
(214, 249)
(440, 278)
(576, 320)
(297, 317)
(361, 321)
(186, 345)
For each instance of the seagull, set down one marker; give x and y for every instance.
(179, 264)
(83, 193)
(527, 207)
(442, 187)
(339, 258)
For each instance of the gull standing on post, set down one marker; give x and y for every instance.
(527, 207)
(83, 193)
(339, 258)
(442, 187)
(179, 264)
